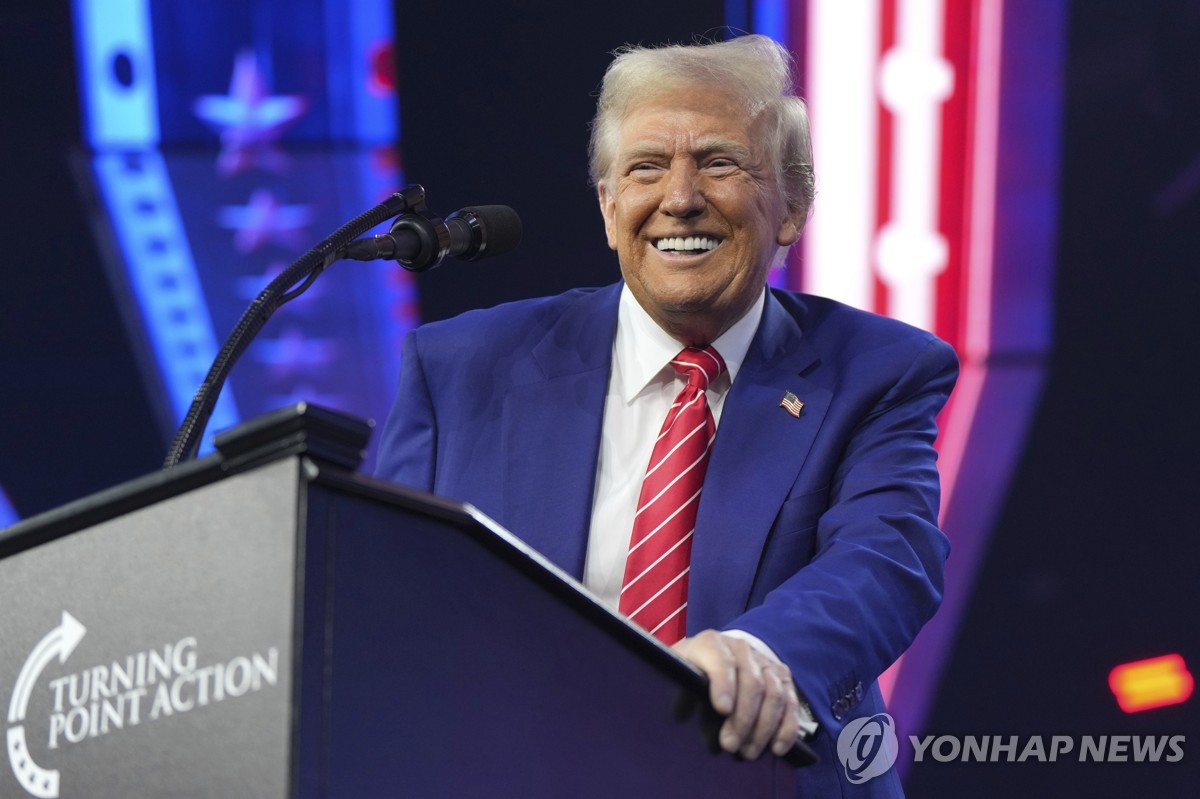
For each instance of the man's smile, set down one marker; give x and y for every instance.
(686, 245)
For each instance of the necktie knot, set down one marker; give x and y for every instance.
(700, 366)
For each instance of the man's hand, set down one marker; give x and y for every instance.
(753, 691)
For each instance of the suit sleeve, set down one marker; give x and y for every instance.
(876, 575)
(408, 446)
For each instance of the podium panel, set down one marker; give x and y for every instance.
(151, 654)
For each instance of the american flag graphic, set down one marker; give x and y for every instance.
(792, 403)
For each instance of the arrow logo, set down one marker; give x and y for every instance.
(58, 643)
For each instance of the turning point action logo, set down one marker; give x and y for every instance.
(103, 699)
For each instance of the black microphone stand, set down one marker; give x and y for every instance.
(304, 270)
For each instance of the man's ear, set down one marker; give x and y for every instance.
(791, 227)
(608, 209)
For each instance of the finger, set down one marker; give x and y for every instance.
(789, 724)
(739, 726)
(770, 714)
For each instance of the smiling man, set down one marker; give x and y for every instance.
(748, 474)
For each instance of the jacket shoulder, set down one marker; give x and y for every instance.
(840, 332)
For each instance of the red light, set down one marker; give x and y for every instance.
(381, 57)
(1146, 684)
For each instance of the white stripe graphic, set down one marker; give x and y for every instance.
(663, 524)
(691, 369)
(671, 451)
(664, 588)
(655, 563)
(671, 420)
(668, 618)
(716, 362)
(667, 488)
(842, 48)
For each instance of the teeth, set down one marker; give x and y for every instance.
(687, 244)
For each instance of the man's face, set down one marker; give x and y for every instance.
(693, 210)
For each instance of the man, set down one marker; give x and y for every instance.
(779, 527)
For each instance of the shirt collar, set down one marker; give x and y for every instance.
(642, 349)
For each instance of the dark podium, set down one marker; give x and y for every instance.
(267, 623)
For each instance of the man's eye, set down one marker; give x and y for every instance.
(645, 171)
(721, 163)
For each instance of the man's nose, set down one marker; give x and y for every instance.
(682, 195)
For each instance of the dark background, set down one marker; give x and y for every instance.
(1096, 557)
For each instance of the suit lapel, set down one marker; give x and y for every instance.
(759, 451)
(551, 433)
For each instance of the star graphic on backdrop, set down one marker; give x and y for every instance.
(250, 119)
(263, 220)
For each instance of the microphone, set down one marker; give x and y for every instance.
(420, 242)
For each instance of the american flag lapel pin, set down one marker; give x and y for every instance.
(792, 404)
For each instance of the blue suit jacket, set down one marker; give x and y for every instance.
(817, 534)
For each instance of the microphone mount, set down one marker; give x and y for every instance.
(434, 238)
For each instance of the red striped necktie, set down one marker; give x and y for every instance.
(654, 591)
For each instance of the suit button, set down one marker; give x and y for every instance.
(858, 692)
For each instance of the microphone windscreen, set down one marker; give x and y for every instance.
(501, 228)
